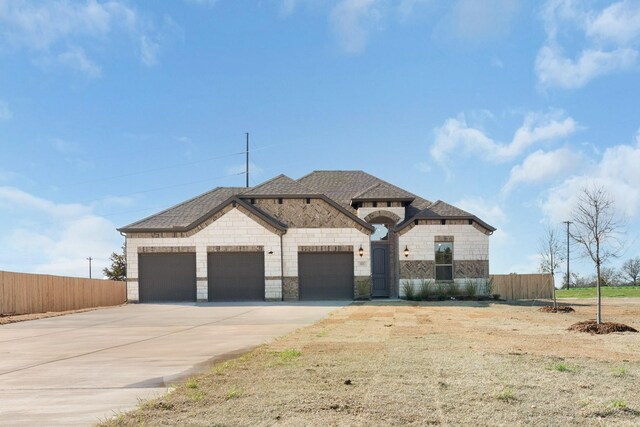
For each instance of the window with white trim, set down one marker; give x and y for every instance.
(444, 261)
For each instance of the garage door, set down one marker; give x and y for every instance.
(167, 277)
(325, 275)
(236, 276)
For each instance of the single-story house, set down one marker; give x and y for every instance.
(327, 235)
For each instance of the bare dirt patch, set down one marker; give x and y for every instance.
(448, 363)
(592, 327)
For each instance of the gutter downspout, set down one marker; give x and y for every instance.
(126, 262)
(281, 269)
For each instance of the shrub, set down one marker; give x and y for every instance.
(363, 288)
(425, 289)
(470, 288)
(407, 287)
(452, 289)
(441, 288)
(191, 383)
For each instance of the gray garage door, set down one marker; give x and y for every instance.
(236, 276)
(325, 275)
(167, 277)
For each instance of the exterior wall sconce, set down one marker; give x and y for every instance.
(406, 251)
(360, 251)
(270, 252)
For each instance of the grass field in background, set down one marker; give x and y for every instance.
(607, 291)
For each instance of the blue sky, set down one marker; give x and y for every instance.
(111, 111)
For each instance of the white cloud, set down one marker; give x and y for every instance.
(618, 23)
(54, 238)
(617, 171)
(456, 135)
(47, 29)
(5, 111)
(554, 69)
(76, 59)
(352, 20)
(609, 42)
(541, 166)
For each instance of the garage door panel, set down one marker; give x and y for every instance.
(236, 276)
(325, 276)
(167, 277)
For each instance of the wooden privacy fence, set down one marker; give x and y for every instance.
(523, 286)
(23, 293)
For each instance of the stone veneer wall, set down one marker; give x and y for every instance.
(233, 229)
(297, 213)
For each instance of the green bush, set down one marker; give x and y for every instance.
(425, 289)
(407, 287)
(363, 288)
(470, 288)
(441, 289)
(452, 289)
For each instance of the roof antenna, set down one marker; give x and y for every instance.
(247, 163)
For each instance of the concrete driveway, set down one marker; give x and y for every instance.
(82, 368)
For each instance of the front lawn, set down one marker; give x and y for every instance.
(440, 363)
(607, 291)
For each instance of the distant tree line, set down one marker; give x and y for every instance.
(627, 275)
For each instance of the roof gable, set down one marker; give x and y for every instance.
(384, 191)
(280, 185)
(185, 213)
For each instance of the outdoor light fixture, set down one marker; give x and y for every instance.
(406, 251)
(360, 251)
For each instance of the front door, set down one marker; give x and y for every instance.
(380, 269)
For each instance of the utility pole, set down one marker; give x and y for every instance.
(568, 276)
(89, 259)
(247, 162)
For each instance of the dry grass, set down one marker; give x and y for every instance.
(420, 364)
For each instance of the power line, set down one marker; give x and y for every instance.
(166, 187)
(142, 172)
(152, 170)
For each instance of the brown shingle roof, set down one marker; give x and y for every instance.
(343, 186)
(384, 191)
(280, 185)
(443, 210)
(185, 213)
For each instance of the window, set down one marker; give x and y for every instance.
(381, 232)
(444, 261)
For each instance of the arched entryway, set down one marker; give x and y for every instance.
(384, 247)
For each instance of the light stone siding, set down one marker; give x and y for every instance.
(468, 243)
(400, 211)
(296, 237)
(234, 228)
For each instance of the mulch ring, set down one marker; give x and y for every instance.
(592, 327)
(552, 309)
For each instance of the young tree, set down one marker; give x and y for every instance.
(631, 270)
(597, 229)
(118, 270)
(551, 255)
